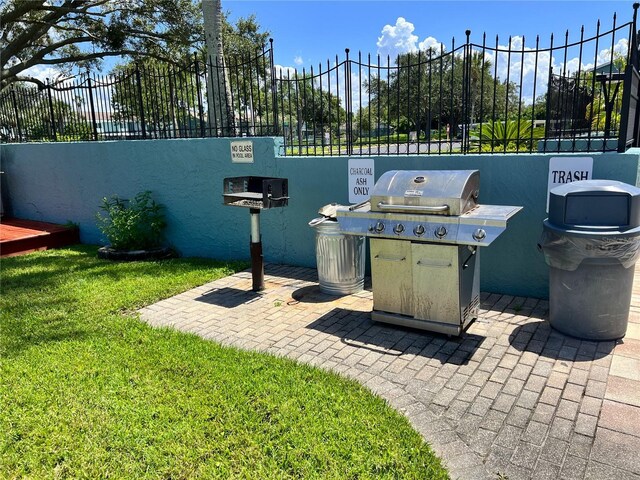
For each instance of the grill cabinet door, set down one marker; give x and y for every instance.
(436, 282)
(391, 276)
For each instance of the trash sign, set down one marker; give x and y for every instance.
(568, 169)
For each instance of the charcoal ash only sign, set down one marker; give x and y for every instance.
(568, 169)
(242, 151)
(361, 179)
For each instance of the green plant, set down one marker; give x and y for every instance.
(500, 133)
(135, 224)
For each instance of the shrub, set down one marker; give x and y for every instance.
(498, 133)
(136, 224)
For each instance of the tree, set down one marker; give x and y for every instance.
(167, 96)
(80, 33)
(425, 90)
(218, 88)
(309, 109)
(537, 110)
(39, 116)
(248, 74)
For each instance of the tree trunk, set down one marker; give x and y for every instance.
(219, 99)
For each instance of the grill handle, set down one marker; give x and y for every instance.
(413, 208)
(358, 205)
(391, 259)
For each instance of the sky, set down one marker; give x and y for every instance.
(309, 32)
(306, 33)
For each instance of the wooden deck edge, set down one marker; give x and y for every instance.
(46, 240)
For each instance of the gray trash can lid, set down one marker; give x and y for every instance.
(595, 206)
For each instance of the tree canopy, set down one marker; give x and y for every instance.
(82, 32)
(425, 90)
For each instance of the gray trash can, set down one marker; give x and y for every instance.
(340, 258)
(591, 242)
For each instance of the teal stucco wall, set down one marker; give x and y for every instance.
(61, 182)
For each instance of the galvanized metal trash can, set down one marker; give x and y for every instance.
(340, 258)
(591, 242)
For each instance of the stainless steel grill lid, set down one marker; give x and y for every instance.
(434, 192)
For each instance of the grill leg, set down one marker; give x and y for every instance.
(257, 261)
(257, 267)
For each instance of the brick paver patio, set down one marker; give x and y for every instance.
(510, 397)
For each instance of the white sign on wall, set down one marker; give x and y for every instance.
(242, 151)
(361, 179)
(568, 169)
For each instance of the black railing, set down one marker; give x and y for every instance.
(489, 97)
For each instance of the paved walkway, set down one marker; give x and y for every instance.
(511, 397)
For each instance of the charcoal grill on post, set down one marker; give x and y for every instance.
(425, 229)
(256, 193)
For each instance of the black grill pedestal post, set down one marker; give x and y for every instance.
(257, 261)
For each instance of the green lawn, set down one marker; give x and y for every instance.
(89, 391)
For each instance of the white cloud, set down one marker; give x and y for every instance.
(284, 72)
(298, 60)
(518, 62)
(525, 62)
(620, 48)
(397, 39)
(430, 43)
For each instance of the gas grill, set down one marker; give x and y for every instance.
(425, 229)
(256, 194)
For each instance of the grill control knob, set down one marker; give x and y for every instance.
(441, 231)
(398, 229)
(379, 227)
(418, 231)
(372, 228)
(479, 235)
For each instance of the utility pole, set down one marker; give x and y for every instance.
(221, 115)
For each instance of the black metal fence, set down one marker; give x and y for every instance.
(488, 97)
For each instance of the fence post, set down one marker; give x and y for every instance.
(466, 92)
(51, 112)
(94, 125)
(631, 72)
(200, 106)
(547, 125)
(15, 110)
(142, 120)
(347, 103)
(274, 89)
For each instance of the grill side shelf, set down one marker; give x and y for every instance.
(497, 215)
(482, 225)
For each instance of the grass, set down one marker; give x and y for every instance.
(89, 391)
